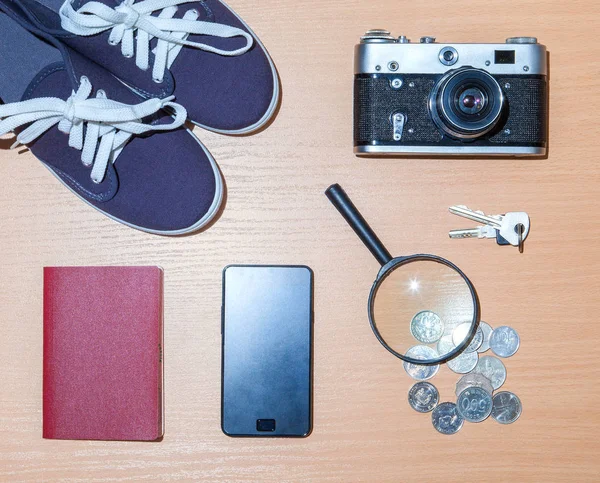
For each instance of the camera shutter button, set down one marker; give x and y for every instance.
(427, 40)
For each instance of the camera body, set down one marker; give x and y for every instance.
(428, 98)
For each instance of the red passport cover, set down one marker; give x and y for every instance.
(103, 353)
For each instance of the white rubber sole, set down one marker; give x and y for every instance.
(205, 220)
(276, 88)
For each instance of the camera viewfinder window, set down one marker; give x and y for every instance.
(504, 57)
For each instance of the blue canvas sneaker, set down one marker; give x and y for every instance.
(124, 155)
(201, 51)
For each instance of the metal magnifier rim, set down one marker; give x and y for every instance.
(388, 269)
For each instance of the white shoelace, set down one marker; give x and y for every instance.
(87, 121)
(129, 21)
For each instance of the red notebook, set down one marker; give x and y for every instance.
(103, 353)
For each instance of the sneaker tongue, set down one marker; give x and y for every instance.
(202, 9)
(52, 147)
(79, 3)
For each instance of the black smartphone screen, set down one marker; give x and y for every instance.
(266, 370)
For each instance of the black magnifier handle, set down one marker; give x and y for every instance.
(344, 205)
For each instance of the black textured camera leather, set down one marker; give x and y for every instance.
(375, 101)
(527, 118)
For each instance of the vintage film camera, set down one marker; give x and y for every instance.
(428, 98)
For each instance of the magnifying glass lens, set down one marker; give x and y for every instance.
(424, 303)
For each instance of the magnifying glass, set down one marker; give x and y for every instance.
(422, 308)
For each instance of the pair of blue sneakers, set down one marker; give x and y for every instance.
(99, 90)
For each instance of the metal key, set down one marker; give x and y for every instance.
(483, 231)
(478, 216)
(507, 225)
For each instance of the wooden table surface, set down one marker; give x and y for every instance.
(276, 212)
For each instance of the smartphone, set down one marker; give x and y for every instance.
(266, 365)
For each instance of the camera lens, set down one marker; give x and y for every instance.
(471, 100)
(466, 103)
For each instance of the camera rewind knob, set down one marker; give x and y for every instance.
(377, 36)
(521, 40)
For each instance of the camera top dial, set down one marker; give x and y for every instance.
(377, 36)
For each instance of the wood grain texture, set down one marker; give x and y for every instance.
(276, 212)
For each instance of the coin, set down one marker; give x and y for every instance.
(464, 362)
(504, 341)
(506, 407)
(445, 345)
(426, 327)
(486, 329)
(462, 332)
(423, 397)
(418, 371)
(474, 379)
(492, 368)
(474, 404)
(446, 419)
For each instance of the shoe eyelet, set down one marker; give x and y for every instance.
(128, 56)
(111, 42)
(96, 181)
(194, 11)
(157, 81)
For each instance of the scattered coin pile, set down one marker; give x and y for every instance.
(475, 390)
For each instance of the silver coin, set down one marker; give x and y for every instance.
(504, 341)
(506, 408)
(418, 371)
(492, 368)
(423, 397)
(487, 332)
(463, 363)
(446, 419)
(462, 332)
(474, 379)
(445, 345)
(426, 327)
(474, 404)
